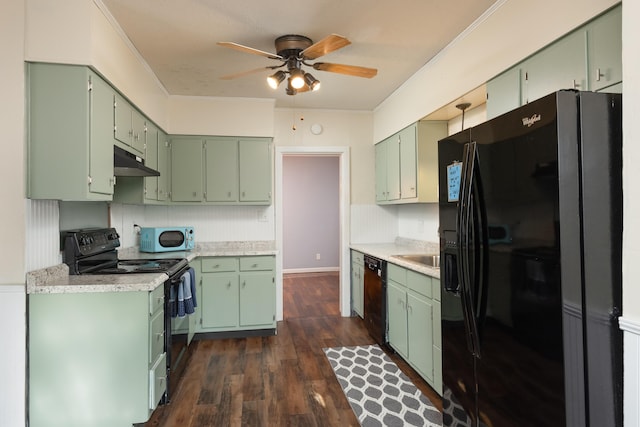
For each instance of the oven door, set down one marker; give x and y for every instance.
(177, 328)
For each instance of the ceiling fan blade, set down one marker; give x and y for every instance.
(350, 70)
(248, 49)
(244, 73)
(324, 46)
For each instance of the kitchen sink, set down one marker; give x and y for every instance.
(430, 260)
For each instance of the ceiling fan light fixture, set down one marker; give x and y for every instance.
(276, 78)
(312, 82)
(297, 78)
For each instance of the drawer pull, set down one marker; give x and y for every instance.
(254, 265)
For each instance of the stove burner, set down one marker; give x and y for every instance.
(144, 266)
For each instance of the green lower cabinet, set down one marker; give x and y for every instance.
(357, 283)
(397, 317)
(413, 313)
(237, 293)
(221, 298)
(89, 359)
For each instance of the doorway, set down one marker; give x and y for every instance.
(342, 153)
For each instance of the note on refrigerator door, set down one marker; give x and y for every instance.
(453, 181)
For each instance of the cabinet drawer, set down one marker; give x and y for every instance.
(254, 263)
(419, 283)
(157, 381)
(357, 258)
(215, 264)
(156, 336)
(156, 299)
(397, 274)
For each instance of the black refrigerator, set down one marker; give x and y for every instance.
(531, 240)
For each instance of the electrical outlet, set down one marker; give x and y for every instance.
(317, 256)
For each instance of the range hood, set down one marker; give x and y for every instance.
(127, 164)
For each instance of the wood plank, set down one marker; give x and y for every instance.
(276, 380)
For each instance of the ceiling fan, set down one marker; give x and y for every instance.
(294, 51)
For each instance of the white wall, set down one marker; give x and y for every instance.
(506, 34)
(631, 235)
(12, 217)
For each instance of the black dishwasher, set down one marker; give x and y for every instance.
(375, 298)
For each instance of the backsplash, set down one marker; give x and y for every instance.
(42, 234)
(211, 223)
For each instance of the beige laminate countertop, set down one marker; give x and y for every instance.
(56, 279)
(388, 252)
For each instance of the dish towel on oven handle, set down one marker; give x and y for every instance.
(186, 298)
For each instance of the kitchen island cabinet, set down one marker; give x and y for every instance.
(95, 359)
(70, 133)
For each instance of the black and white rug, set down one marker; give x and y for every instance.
(379, 393)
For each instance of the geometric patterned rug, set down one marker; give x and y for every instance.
(379, 393)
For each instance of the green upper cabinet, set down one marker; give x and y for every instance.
(153, 189)
(407, 164)
(222, 169)
(187, 183)
(381, 171)
(604, 39)
(589, 58)
(504, 93)
(70, 133)
(563, 65)
(388, 169)
(129, 126)
(164, 166)
(151, 160)
(255, 170)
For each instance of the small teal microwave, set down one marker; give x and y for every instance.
(165, 239)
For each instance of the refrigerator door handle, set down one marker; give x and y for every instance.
(481, 245)
(463, 227)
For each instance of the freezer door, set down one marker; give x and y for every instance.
(520, 376)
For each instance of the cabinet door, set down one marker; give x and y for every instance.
(408, 163)
(420, 332)
(257, 299)
(255, 170)
(221, 159)
(122, 130)
(381, 171)
(186, 170)
(397, 318)
(393, 167)
(220, 300)
(605, 50)
(151, 160)
(559, 66)
(138, 126)
(504, 92)
(101, 138)
(163, 166)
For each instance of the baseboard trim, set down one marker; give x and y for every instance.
(631, 330)
(311, 270)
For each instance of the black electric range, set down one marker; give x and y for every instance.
(94, 251)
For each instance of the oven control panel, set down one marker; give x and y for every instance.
(89, 241)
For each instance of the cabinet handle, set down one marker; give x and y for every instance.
(254, 265)
(160, 335)
(229, 285)
(576, 85)
(598, 74)
(194, 194)
(244, 283)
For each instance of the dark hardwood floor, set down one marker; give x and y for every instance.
(281, 380)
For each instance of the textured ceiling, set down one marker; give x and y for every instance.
(178, 41)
